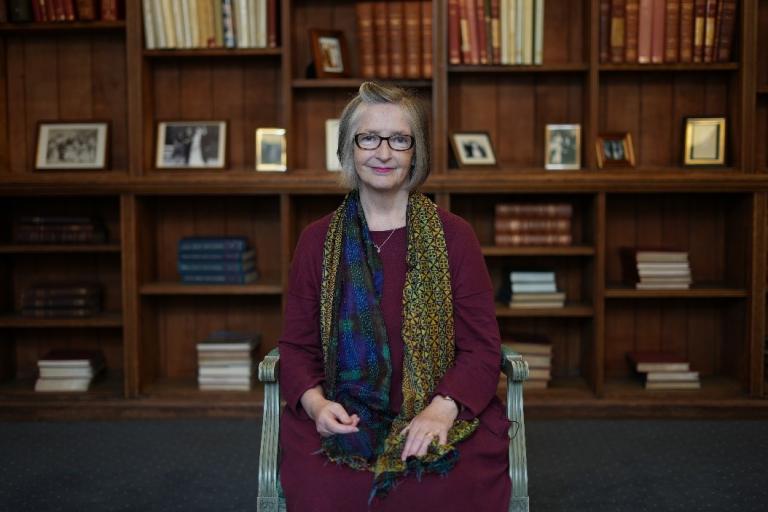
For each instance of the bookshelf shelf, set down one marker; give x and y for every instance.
(721, 66)
(716, 389)
(103, 320)
(63, 26)
(568, 311)
(565, 67)
(269, 287)
(696, 292)
(213, 52)
(762, 89)
(538, 251)
(104, 387)
(352, 83)
(186, 388)
(59, 249)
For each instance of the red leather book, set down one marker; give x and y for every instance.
(465, 33)
(365, 39)
(381, 35)
(672, 31)
(69, 9)
(86, 10)
(50, 10)
(658, 35)
(396, 39)
(474, 36)
(605, 30)
(482, 32)
(686, 30)
(454, 33)
(3, 11)
(58, 10)
(495, 56)
(645, 32)
(631, 30)
(272, 24)
(412, 19)
(727, 23)
(37, 12)
(534, 210)
(426, 38)
(617, 31)
(699, 26)
(710, 27)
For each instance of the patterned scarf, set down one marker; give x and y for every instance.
(356, 350)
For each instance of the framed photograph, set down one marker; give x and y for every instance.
(191, 145)
(270, 149)
(562, 147)
(329, 52)
(473, 149)
(331, 145)
(72, 146)
(615, 150)
(704, 141)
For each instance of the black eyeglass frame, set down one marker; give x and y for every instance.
(381, 139)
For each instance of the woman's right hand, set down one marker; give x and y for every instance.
(330, 417)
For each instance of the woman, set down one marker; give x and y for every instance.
(390, 351)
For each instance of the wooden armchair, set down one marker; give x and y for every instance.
(270, 497)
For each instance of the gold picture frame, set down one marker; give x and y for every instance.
(704, 143)
(271, 150)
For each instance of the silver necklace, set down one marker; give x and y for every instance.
(378, 247)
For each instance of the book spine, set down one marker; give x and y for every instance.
(380, 32)
(168, 24)
(727, 24)
(710, 27)
(519, 225)
(631, 30)
(228, 24)
(657, 33)
(396, 39)
(465, 38)
(605, 30)
(364, 12)
(216, 278)
(58, 10)
(37, 11)
(212, 245)
(699, 27)
(218, 24)
(272, 24)
(69, 10)
(454, 33)
(645, 31)
(149, 31)
(527, 34)
(617, 31)
(482, 36)
(215, 267)
(686, 30)
(86, 10)
(496, 31)
(534, 210)
(261, 24)
(109, 10)
(508, 239)
(49, 10)
(157, 11)
(538, 33)
(412, 17)
(672, 37)
(426, 39)
(474, 37)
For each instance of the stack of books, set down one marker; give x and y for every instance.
(58, 229)
(68, 370)
(395, 39)
(537, 352)
(495, 32)
(664, 370)
(24, 11)
(532, 289)
(210, 24)
(526, 224)
(225, 361)
(659, 31)
(216, 260)
(61, 300)
(657, 270)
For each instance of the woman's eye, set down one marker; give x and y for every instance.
(369, 138)
(401, 139)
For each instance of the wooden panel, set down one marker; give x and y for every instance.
(564, 34)
(761, 134)
(762, 45)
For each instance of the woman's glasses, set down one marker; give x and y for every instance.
(371, 141)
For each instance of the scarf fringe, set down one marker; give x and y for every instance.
(384, 482)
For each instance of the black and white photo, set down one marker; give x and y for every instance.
(191, 144)
(71, 146)
(562, 147)
(614, 150)
(270, 149)
(473, 149)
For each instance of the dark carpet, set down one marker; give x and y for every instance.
(211, 465)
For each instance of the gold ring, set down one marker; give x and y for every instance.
(430, 434)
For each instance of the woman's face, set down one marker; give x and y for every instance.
(382, 169)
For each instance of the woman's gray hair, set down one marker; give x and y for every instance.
(373, 93)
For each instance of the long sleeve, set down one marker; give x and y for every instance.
(473, 379)
(301, 357)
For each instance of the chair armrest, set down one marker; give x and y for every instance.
(269, 485)
(516, 370)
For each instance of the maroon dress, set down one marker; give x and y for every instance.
(479, 481)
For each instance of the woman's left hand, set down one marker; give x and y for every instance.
(434, 421)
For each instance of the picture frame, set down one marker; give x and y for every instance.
(191, 145)
(331, 145)
(562, 147)
(704, 141)
(615, 150)
(77, 145)
(271, 154)
(329, 53)
(473, 149)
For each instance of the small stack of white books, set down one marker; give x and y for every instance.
(663, 270)
(68, 370)
(537, 352)
(225, 361)
(533, 289)
(664, 370)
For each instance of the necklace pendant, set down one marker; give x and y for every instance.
(378, 249)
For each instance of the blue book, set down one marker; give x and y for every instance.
(215, 267)
(216, 256)
(232, 278)
(216, 243)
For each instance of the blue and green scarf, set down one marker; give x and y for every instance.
(356, 354)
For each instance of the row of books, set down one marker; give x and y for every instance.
(537, 352)
(69, 370)
(58, 229)
(395, 38)
(535, 289)
(495, 31)
(216, 260)
(25, 11)
(225, 361)
(664, 370)
(51, 300)
(524, 224)
(671, 31)
(210, 23)
(657, 270)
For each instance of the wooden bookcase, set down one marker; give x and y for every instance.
(151, 322)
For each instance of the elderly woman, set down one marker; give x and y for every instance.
(390, 351)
